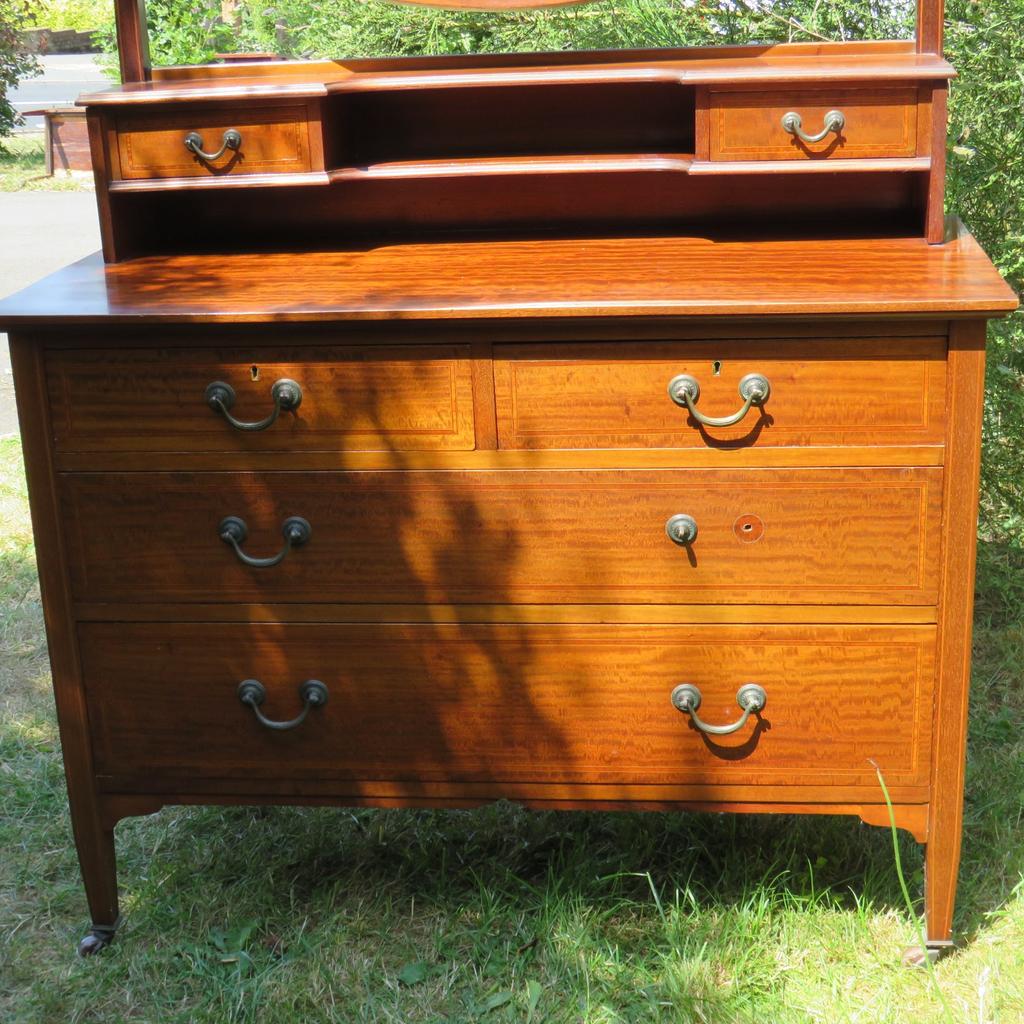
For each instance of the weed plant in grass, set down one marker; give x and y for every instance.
(289, 915)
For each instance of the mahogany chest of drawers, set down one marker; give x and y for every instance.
(618, 515)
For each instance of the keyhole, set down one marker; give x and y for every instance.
(749, 529)
(716, 368)
(254, 372)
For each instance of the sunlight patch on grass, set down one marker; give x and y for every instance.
(23, 168)
(40, 733)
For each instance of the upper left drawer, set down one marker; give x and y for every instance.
(350, 398)
(205, 141)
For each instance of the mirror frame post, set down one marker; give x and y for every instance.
(132, 40)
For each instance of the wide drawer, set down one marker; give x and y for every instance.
(536, 703)
(850, 536)
(352, 398)
(875, 123)
(273, 139)
(857, 391)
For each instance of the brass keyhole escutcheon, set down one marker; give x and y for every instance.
(748, 528)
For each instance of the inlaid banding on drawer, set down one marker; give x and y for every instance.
(747, 125)
(356, 398)
(851, 536)
(273, 139)
(535, 702)
(858, 391)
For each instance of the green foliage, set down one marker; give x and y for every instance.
(185, 32)
(15, 63)
(77, 15)
(180, 32)
(986, 188)
(381, 28)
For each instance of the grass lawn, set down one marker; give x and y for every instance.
(496, 915)
(23, 168)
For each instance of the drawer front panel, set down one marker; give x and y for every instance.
(860, 391)
(273, 140)
(530, 703)
(852, 536)
(878, 123)
(353, 398)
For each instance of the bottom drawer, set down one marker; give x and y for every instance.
(514, 703)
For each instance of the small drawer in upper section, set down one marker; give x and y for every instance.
(354, 398)
(722, 394)
(813, 124)
(205, 141)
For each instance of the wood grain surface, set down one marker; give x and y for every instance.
(483, 272)
(516, 704)
(766, 536)
(132, 40)
(641, 614)
(585, 277)
(812, 62)
(274, 139)
(94, 837)
(353, 398)
(855, 391)
(756, 457)
(960, 502)
(747, 125)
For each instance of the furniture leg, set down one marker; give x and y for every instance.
(98, 860)
(966, 385)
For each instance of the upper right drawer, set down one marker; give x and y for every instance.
(818, 124)
(805, 392)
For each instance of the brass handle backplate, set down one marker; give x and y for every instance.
(750, 697)
(792, 122)
(286, 395)
(233, 531)
(754, 389)
(231, 139)
(253, 693)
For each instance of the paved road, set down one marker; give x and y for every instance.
(65, 76)
(42, 231)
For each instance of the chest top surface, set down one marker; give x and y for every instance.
(539, 278)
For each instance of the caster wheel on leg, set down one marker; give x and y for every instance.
(98, 937)
(920, 956)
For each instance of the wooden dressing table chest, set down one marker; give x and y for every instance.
(586, 430)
